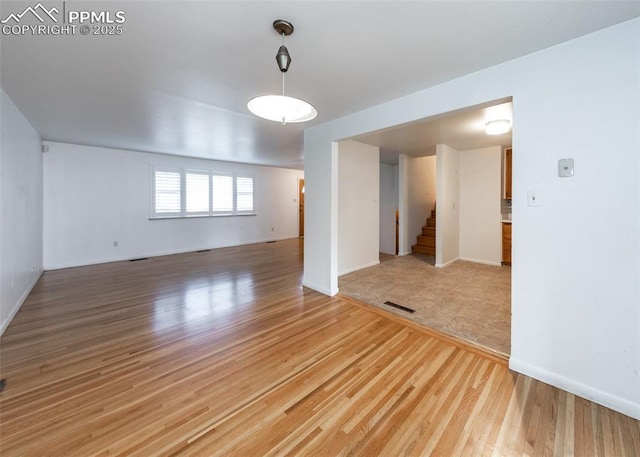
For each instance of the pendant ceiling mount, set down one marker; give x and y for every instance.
(280, 107)
(283, 27)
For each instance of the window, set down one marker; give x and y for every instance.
(244, 193)
(197, 194)
(222, 193)
(166, 192)
(188, 193)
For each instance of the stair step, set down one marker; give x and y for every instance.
(431, 222)
(429, 241)
(433, 214)
(428, 231)
(425, 250)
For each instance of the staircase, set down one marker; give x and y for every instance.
(427, 241)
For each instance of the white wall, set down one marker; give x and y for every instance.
(480, 199)
(321, 213)
(575, 274)
(418, 197)
(20, 209)
(95, 196)
(388, 206)
(358, 207)
(448, 205)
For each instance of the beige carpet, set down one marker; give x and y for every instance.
(467, 300)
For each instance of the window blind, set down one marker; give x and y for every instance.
(222, 193)
(197, 192)
(244, 193)
(167, 192)
(176, 192)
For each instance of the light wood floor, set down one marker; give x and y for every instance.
(222, 353)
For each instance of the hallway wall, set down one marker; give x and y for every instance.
(388, 206)
(359, 207)
(20, 209)
(480, 197)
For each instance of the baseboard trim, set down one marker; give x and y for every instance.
(61, 266)
(442, 265)
(360, 267)
(483, 262)
(5, 323)
(320, 289)
(616, 403)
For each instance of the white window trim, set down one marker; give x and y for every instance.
(183, 214)
(154, 214)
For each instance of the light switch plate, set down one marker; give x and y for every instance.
(533, 197)
(565, 168)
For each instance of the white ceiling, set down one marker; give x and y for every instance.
(178, 79)
(462, 130)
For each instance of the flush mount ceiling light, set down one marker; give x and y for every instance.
(497, 127)
(281, 108)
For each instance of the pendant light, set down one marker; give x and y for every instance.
(281, 108)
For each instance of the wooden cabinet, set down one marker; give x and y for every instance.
(506, 243)
(507, 173)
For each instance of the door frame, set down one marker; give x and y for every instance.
(301, 207)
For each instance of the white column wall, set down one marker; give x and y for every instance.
(358, 206)
(321, 215)
(480, 198)
(448, 205)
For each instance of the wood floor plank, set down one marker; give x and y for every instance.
(223, 353)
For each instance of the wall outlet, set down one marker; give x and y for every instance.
(115, 244)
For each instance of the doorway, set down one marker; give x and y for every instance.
(470, 298)
(301, 208)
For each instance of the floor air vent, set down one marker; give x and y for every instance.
(400, 307)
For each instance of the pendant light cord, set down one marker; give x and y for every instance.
(283, 71)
